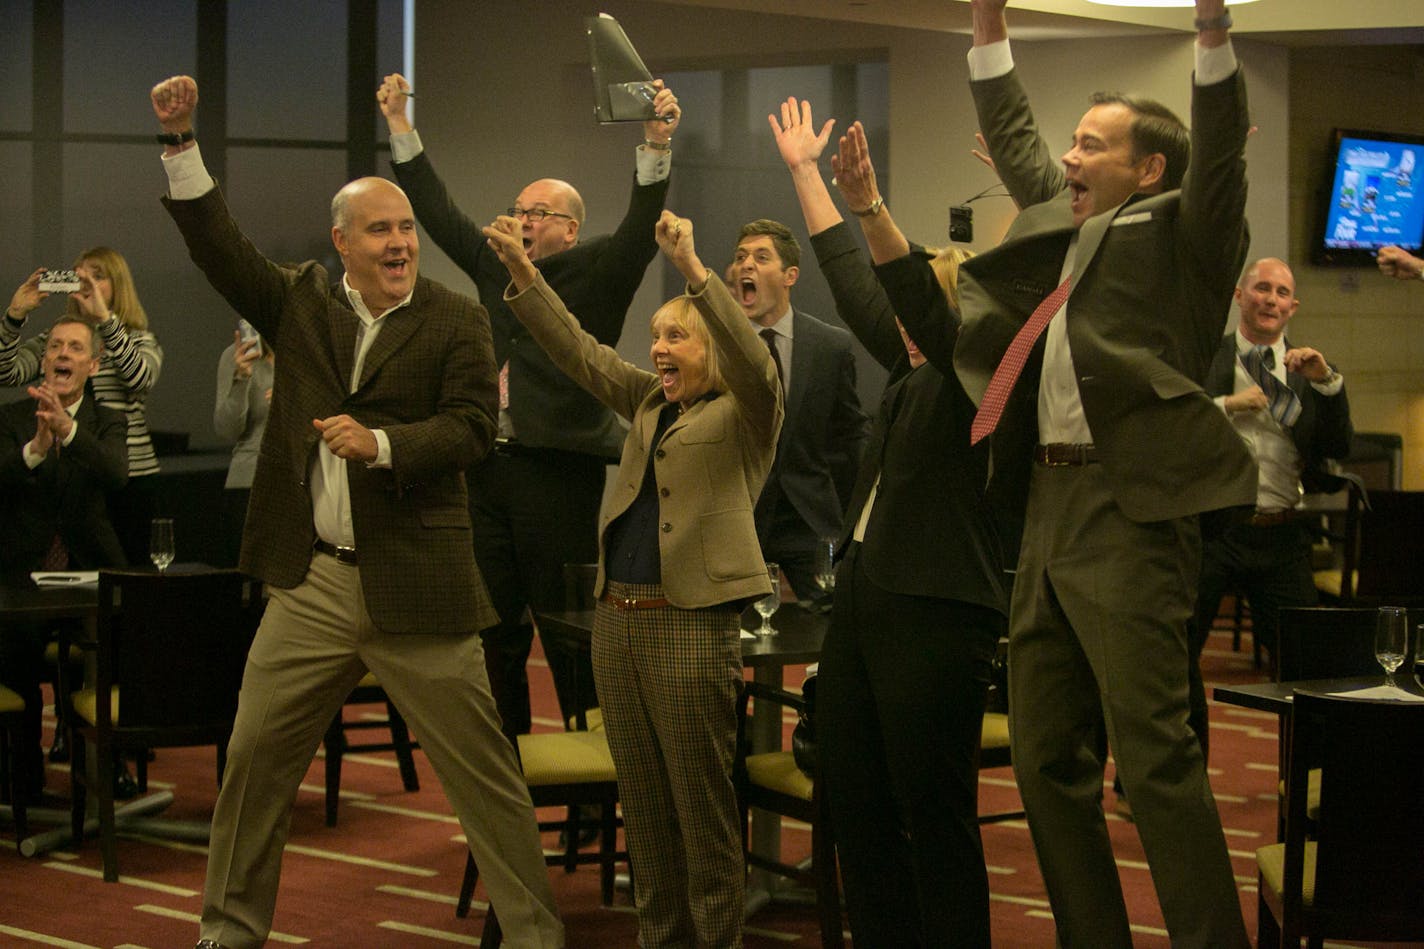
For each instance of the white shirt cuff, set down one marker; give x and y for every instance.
(1215, 64)
(654, 164)
(69, 439)
(383, 449)
(990, 61)
(405, 146)
(188, 177)
(1330, 386)
(32, 461)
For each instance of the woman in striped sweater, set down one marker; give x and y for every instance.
(128, 369)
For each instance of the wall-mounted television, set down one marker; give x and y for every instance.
(1373, 197)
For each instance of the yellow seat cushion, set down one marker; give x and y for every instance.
(995, 731)
(10, 701)
(566, 758)
(86, 705)
(368, 681)
(1312, 793)
(777, 771)
(594, 716)
(1271, 861)
(1329, 581)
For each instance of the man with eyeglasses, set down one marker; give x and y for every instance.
(534, 501)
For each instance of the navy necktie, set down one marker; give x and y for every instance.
(1282, 402)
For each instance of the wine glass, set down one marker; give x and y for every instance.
(826, 564)
(160, 543)
(1419, 655)
(1391, 640)
(768, 604)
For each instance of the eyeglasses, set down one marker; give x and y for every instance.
(536, 215)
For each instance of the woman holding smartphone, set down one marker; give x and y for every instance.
(244, 395)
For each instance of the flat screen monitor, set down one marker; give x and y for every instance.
(1372, 197)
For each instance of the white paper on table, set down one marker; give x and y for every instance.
(748, 635)
(64, 578)
(1391, 692)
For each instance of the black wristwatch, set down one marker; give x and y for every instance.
(174, 138)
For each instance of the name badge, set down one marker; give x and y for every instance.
(1137, 218)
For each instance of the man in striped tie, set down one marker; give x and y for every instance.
(1103, 437)
(1289, 405)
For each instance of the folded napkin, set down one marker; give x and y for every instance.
(64, 578)
(1392, 692)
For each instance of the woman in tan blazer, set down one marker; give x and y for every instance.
(678, 559)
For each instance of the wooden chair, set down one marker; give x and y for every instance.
(13, 765)
(572, 770)
(168, 661)
(1382, 557)
(336, 743)
(1362, 877)
(772, 781)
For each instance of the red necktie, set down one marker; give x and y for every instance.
(1007, 373)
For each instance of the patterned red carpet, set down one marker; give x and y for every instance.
(388, 874)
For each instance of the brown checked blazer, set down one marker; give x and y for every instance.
(428, 381)
(710, 464)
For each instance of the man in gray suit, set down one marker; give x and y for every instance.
(819, 449)
(1094, 394)
(384, 392)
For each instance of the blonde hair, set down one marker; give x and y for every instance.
(945, 264)
(681, 313)
(125, 303)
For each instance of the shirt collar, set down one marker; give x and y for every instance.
(359, 305)
(782, 326)
(1244, 346)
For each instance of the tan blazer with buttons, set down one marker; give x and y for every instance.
(710, 464)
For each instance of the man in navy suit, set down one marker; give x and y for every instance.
(819, 449)
(60, 454)
(1267, 556)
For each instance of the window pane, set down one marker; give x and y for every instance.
(390, 52)
(300, 181)
(16, 211)
(104, 90)
(276, 89)
(15, 53)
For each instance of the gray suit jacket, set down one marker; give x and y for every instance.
(821, 440)
(1153, 282)
(429, 381)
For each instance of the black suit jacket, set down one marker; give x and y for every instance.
(596, 279)
(1323, 430)
(931, 532)
(428, 381)
(824, 431)
(65, 494)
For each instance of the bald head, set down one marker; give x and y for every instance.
(559, 230)
(1266, 296)
(373, 228)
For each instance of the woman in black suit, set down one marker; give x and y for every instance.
(919, 600)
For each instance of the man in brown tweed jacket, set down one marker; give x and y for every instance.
(384, 392)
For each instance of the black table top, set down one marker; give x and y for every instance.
(797, 639)
(72, 601)
(1276, 696)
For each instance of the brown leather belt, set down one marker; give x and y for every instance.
(346, 555)
(1065, 455)
(626, 603)
(1273, 518)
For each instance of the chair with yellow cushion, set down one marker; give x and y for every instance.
(13, 781)
(994, 749)
(168, 660)
(336, 744)
(771, 781)
(1362, 876)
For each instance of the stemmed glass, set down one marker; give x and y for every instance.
(160, 543)
(826, 564)
(1391, 640)
(768, 604)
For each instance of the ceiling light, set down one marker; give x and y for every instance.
(1160, 3)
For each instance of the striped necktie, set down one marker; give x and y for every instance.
(1283, 403)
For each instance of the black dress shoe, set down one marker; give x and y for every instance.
(209, 944)
(59, 750)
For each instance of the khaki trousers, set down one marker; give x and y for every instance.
(315, 642)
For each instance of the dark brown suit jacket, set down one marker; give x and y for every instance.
(428, 381)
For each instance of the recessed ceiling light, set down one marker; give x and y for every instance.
(1159, 3)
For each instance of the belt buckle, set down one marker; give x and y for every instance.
(1052, 459)
(626, 603)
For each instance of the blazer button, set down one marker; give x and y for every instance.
(667, 528)
(659, 454)
(664, 492)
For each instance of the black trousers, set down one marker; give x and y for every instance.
(899, 708)
(533, 510)
(1270, 566)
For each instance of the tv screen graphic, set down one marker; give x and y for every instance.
(1374, 197)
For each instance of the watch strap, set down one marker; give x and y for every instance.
(174, 138)
(1222, 22)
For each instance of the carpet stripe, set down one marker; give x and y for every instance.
(98, 874)
(42, 939)
(458, 938)
(446, 898)
(445, 818)
(361, 861)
